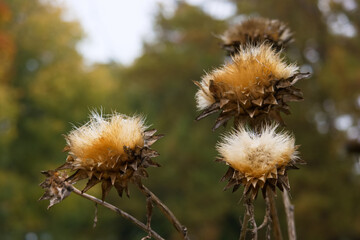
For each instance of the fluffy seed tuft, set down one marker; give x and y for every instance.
(257, 154)
(97, 143)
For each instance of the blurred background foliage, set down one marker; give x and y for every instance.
(45, 85)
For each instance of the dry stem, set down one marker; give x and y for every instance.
(178, 226)
(274, 215)
(247, 216)
(289, 210)
(132, 219)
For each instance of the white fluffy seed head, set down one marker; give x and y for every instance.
(256, 155)
(253, 66)
(102, 139)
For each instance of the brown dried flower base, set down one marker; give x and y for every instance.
(256, 31)
(276, 178)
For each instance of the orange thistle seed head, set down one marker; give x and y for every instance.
(114, 150)
(255, 85)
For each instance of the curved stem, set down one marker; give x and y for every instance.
(178, 226)
(129, 217)
(289, 210)
(274, 215)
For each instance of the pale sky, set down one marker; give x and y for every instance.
(116, 28)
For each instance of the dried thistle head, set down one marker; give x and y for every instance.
(55, 186)
(114, 150)
(257, 84)
(258, 160)
(256, 31)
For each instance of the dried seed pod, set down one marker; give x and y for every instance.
(258, 160)
(56, 188)
(256, 85)
(113, 150)
(256, 31)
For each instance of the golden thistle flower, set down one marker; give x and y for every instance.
(258, 160)
(256, 85)
(114, 150)
(256, 31)
(56, 189)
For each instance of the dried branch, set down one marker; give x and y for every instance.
(247, 216)
(289, 210)
(267, 217)
(96, 216)
(166, 211)
(274, 215)
(252, 221)
(132, 219)
(149, 208)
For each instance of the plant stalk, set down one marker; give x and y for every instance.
(244, 226)
(289, 210)
(274, 215)
(166, 211)
(129, 217)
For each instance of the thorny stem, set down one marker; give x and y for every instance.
(289, 210)
(166, 211)
(244, 225)
(274, 215)
(132, 219)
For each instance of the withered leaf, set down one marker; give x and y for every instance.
(209, 110)
(270, 100)
(64, 166)
(229, 173)
(150, 141)
(221, 120)
(231, 183)
(150, 153)
(149, 133)
(92, 182)
(284, 83)
(214, 89)
(133, 165)
(300, 76)
(77, 176)
(105, 188)
(223, 102)
(236, 187)
(292, 98)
